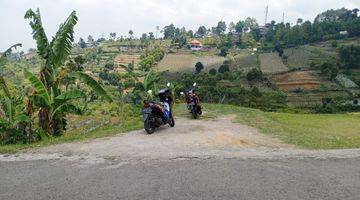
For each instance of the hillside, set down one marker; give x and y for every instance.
(295, 73)
(185, 62)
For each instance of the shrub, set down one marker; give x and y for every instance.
(285, 58)
(329, 69)
(223, 68)
(278, 48)
(334, 44)
(109, 65)
(350, 56)
(224, 51)
(150, 58)
(299, 91)
(254, 74)
(198, 67)
(336, 105)
(236, 74)
(212, 71)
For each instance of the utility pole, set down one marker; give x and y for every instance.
(266, 13)
(283, 17)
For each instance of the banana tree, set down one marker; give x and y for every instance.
(12, 121)
(56, 105)
(3, 85)
(48, 87)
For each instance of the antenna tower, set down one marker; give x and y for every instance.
(266, 13)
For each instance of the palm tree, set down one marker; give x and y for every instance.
(49, 95)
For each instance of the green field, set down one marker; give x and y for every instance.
(311, 131)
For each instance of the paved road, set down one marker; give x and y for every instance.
(207, 179)
(198, 159)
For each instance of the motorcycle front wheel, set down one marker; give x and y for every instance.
(149, 126)
(194, 113)
(172, 121)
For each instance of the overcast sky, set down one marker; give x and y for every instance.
(100, 17)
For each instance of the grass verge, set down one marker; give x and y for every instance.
(100, 124)
(310, 131)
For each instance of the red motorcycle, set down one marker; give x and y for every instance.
(193, 103)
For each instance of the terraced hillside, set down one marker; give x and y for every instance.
(312, 98)
(300, 79)
(125, 59)
(307, 88)
(298, 57)
(246, 61)
(185, 62)
(272, 63)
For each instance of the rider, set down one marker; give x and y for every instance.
(167, 101)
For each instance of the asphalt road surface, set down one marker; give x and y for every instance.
(184, 179)
(197, 159)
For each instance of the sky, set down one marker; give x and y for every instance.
(100, 17)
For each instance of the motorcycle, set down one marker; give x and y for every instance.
(157, 114)
(193, 103)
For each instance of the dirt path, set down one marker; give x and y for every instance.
(189, 139)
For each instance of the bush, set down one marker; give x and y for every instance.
(212, 71)
(337, 105)
(350, 56)
(278, 48)
(222, 89)
(224, 68)
(254, 75)
(198, 67)
(329, 69)
(299, 91)
(334, 44)
(109, 66)
(224, 51)
(150, 58)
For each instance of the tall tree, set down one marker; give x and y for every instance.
(131, 34)
(299, 21)
(151, 36)
(169, 31)
(113, 36)
(250, 23)
(232, 27)
(220, 28)
(91, 40)
(82, 43)
(201, 32)
(239, 27)
(144, 39)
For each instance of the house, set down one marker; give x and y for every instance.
(195, 45)
(343, 33)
